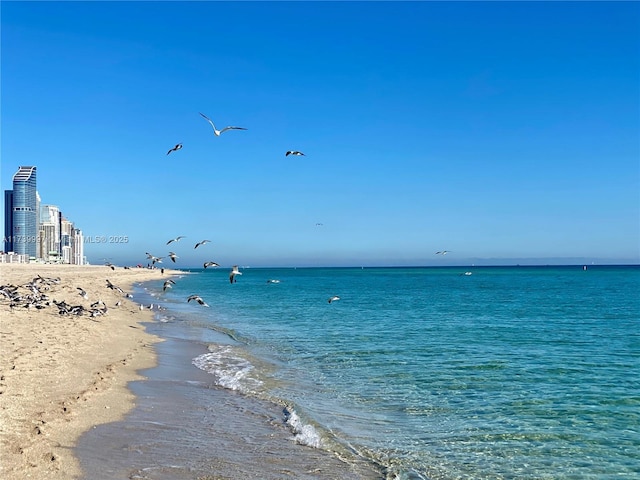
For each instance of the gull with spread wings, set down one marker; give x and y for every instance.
(215, 130)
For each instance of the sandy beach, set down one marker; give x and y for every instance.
(63, 373)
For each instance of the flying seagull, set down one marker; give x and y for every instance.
(443, 252)
(197, 299)
(167, 284)
(218, 132)
(293, 152)
(175, 149)
(82, 293)
(153, 258)
(201, 243)
(177, 239)
(210, 264)
(234, 272)
(173, 257)
(334, 299)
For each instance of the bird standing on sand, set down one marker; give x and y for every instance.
(335, 298)
(201, 243)
(234, 272)
(294, 152)
(218, 132)
(175, 149)
(177, 239)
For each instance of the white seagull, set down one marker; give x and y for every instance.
(177, 239)
(210, 264)
(443, 252)
(294, 152)
(173, 257)
(218, 132)
(201, 243)
(234, 272)
(335, 298)
(175, 149)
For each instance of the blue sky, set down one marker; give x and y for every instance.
(504, 132)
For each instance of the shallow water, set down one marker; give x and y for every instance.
(427, 372)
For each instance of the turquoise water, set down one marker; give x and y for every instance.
(509, 372)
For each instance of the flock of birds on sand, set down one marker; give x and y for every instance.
(38, 294)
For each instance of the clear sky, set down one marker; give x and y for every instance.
(504, 132)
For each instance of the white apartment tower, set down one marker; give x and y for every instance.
(50, 233)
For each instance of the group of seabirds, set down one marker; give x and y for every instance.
(217, 133)
(235, 270)
(35, 297)
(38, 294)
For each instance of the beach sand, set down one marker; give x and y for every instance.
(60, 375)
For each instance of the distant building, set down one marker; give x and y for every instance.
(8, 220)
(50, 246)
(77, 247)
(38, 242)
(13, 258)
(24, 227)
(66, 231)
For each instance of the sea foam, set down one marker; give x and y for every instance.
(228, 368)
(304, 434)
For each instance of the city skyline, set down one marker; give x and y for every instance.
(502, 132)
(34, 231)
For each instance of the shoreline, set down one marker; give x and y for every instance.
(185, 426)
(63, 374)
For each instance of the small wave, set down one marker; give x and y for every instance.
(304, 434)
(228, 369)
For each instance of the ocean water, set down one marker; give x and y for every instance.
(431, 373)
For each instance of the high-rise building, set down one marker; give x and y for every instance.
(77, 247)
(66, 231)
(8, 220)
(24, 228)
(50, 246)
(38, 239)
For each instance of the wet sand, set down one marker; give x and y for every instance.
(184, 427)
(60, 375)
